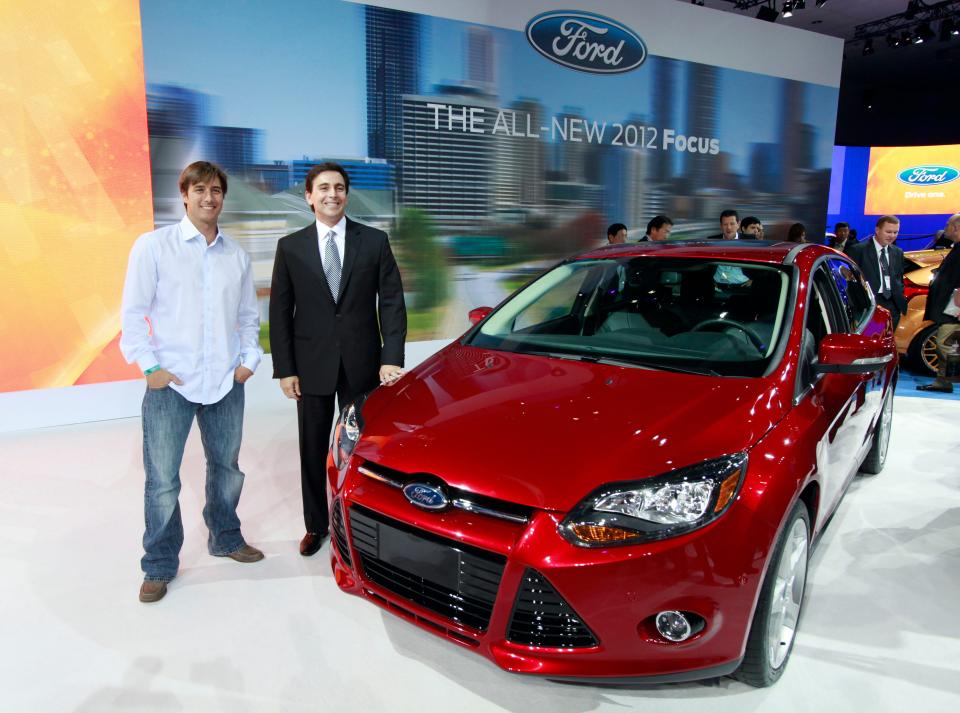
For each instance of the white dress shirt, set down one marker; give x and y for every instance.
(339, 237)
(201, 306)
(885, 287)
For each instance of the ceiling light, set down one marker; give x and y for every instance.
(800, 5)
(787, 9)
(821, 3)
(868, 47)
(892, 40)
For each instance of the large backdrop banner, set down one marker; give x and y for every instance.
(490, 139)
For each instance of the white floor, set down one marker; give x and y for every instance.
(881, 630)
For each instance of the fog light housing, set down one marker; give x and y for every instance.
(673, 626)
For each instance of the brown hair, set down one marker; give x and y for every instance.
(887, 219)
(199, 172)
(326, 166)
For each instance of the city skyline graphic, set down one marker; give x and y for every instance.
(555, 154)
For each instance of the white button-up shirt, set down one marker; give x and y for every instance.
(201, 306)
(339, 238)
(884, 279)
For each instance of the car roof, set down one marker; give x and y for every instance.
(767, 251)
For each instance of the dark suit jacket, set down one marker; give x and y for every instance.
(865, 255)
(310, 333)
(944, 283)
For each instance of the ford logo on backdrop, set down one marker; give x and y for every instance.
(928, 175)
(586, 42)
(425, 496)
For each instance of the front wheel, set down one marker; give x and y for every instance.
(877, 456)
(775, 621)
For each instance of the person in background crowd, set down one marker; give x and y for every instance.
(617, 234)
(882, 265)
(797, 233)
(841, 234)
(729, 226)
(659, 228)
(752, 227)
(201, 344)
(945, 288)
(338, 323)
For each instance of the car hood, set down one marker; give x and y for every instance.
(544, 432)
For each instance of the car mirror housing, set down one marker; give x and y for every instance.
(852, 354)
(478, 314)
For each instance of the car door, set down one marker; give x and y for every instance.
(830, 402)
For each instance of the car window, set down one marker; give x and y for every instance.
(694, 314)
(555, 303)
(817, 324)
(852, 293)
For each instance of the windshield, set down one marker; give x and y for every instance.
(706, 316)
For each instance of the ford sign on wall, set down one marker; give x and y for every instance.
(928, 175)
(586, 42)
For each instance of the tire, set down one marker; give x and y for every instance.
(877, 456)
(922, 353)
(776, 620)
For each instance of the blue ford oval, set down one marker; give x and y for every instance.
(425, 496)
(928, 175)
(586, 42)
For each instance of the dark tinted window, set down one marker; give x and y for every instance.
(709, 316)
(853, 294)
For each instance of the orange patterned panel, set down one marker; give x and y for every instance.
(74, 186)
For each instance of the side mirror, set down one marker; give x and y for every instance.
(853, 354)
(478, 314)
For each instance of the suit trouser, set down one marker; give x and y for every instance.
(948, 335)
(314, 422)
(890, 305)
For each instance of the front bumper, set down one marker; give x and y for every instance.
(524, 597)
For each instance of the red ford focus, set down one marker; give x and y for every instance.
(617, 474)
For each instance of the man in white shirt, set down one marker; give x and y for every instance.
(190, 322)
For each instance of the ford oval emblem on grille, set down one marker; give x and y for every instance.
(586, 42)
(928, 175)
(425, 496)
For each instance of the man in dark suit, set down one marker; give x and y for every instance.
(659, 228)
(729, 226)
(942, 290)
(337, 326)
(882, 265)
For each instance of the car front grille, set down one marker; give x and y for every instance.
(541, 617)
(340, 534)
(447, 577)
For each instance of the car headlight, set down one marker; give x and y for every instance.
(347, 433)
(655, 508)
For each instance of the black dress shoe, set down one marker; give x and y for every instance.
(311, 542)
(948, 389)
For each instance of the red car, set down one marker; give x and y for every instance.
(617, 474)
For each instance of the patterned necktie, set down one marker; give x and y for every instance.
(884, 274)
(331, 264)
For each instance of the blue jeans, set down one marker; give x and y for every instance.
(167, 418)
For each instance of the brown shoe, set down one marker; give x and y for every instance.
(311, 543)
(152, 591)
(246, 554)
